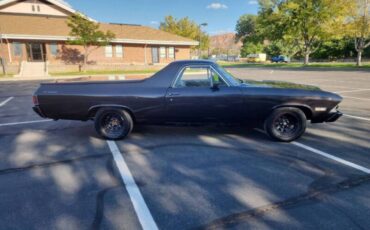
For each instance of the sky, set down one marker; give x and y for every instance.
(221, 15)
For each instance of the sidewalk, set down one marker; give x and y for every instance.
(53, 78)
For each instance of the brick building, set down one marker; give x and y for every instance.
(35, 31)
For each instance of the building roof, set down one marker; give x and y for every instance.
(60, 3)
(14, 26)
(44, 27)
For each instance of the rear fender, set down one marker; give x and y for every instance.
(92, 110)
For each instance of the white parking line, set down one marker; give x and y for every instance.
(6, 101)
(23, 122)
(327, 155)
(145, 217)
(355, 117)
(352, 91)
(337, 159)
(357, 98)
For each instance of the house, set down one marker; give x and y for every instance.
(34, 33)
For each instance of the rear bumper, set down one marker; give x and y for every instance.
(38, 110)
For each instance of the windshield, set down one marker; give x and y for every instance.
(229, 77)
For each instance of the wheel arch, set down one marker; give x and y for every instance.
(305, 109)
(94, 109)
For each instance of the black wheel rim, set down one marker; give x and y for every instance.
(286, 125)
(113, 125)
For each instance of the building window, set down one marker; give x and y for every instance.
(108, 51)
(33, 8)
(17, 49)
(119, 51)
(38, 8)
(162, 52)
(54, 49)
(171, 52)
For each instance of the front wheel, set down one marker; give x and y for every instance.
(286, 124)
(113, 124)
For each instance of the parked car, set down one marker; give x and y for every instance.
(280, 58)
(256, 58)
(186, 92)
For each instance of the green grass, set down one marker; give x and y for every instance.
(296, 65)
(282, 84)
(3, 76)
(103, 72)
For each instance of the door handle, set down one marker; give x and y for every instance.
(173, 94)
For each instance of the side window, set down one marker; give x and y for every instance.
(108, 51)
(194, 77)
(162, 52)
(119, 51)
(54, 49)
(17, 49)
(171, 52)
(217, 79)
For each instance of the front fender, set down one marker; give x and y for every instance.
(307, 110)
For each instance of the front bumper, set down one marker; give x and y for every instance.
(38, 110)
(333, 116)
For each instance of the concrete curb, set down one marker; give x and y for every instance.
(53, 78)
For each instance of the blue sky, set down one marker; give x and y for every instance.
(221, 15)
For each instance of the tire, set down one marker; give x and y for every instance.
(286, 124)
(113, 124)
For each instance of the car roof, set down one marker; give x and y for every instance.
(200, 61)
(166, 75)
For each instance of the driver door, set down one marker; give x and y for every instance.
(201, 95)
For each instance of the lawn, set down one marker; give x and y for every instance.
(103, 72)
(297, 65)
(8, 75)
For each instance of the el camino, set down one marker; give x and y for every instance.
(189, 92)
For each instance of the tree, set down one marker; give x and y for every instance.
(246, 28)
(359, 27)
(281, 47)
(186, 28)
(304, 23)
(247, 32)
(86, 33)
(251, 48)
(335, 49)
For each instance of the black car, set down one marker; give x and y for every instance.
(186, 92)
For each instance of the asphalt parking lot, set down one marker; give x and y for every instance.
(61, 175)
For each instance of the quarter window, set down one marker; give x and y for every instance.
(108, 51)
(171, 52)
(162, 52)
(119, 51)
(17, 49)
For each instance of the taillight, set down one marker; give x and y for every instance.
(35, 100)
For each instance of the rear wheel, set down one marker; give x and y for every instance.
(113, 124)
(286, 124)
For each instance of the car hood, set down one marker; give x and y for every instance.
(286, 89)
(279, 84)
